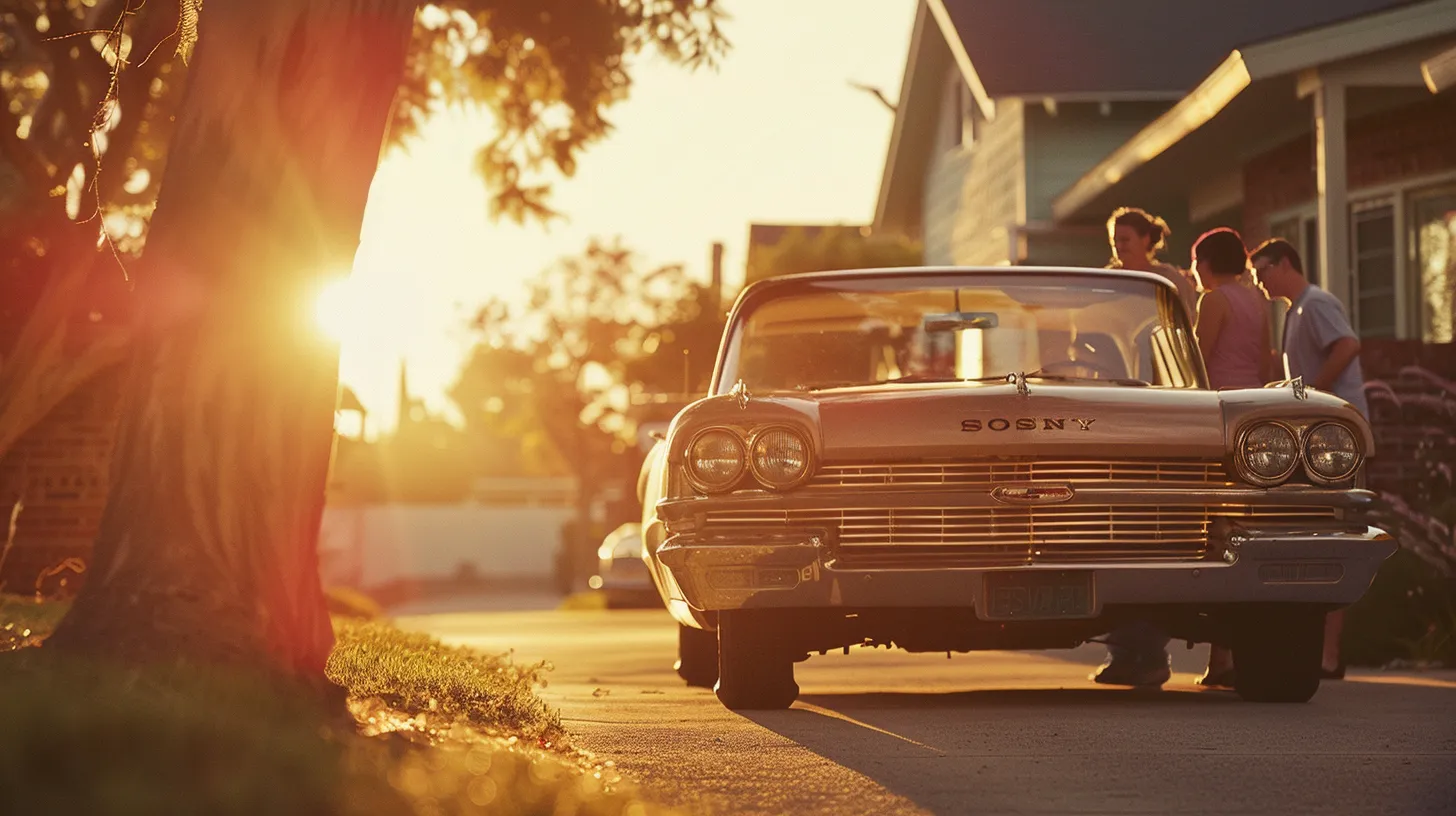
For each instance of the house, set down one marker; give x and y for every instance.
(1326, 136)
(1021, 126)
(1330, 123)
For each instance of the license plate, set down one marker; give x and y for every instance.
(1037, 595)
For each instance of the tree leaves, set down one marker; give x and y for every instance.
(547, 71)
(599, 334)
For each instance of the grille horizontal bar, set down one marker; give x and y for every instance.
(986, 473)
(1050, 534)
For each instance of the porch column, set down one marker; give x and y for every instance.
(1332, 185)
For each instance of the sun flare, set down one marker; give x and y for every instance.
(334, 310)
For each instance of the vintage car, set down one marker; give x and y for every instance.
(1010, 458)
(622, 576)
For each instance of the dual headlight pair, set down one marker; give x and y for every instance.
(1270, 452)
(778, 457)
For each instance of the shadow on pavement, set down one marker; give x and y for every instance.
(1033, 698)
(1357, 748)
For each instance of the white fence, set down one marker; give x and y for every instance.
(366, 546)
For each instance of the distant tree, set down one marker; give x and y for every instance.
(208, 543)
(597, 331)
(507, 436)
(599, 335)
(834, 247)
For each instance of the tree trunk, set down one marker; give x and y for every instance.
(208, 545)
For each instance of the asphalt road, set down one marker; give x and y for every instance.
(887, 732)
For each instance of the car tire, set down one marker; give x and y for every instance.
(1277, 654)
(697, 656)
(755, 665)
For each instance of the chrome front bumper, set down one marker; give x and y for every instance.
(1301, 567)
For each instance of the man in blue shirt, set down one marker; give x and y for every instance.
(1321, 347)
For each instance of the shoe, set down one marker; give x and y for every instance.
(1337, 673)
(1138, 673)
(1223, 678)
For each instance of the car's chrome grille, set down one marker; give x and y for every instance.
(1069, 533)
(982, 472)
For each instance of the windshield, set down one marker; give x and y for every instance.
(868, 331)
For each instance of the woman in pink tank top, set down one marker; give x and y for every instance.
(1234, 336)
(1233, 316)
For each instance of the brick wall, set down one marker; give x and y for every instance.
(60, 469)
(1393, 146)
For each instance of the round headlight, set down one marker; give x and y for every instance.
(1269, 452)
(716, 459)
(1331, 452)
(780, 457)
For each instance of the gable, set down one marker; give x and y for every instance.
(1124, 48)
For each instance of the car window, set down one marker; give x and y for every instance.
(895, 329)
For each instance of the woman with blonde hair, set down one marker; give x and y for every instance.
(1136, 236)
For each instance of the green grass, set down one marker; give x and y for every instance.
(434, 730)
(25, 621)
(390, 672)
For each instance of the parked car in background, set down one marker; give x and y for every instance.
(621, 573)
(967, 459)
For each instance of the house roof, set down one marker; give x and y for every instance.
(1111, 48)
(1068, 50)
(763, 236)
(1252, 87)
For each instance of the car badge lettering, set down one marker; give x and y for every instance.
(1027, 424)
(1032, 494)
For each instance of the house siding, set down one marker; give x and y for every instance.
(974, 195)
(1063, 147)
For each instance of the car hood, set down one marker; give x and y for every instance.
(968, 420)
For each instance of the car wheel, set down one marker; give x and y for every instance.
(1277, 655)
(697, 656)
(755, 666)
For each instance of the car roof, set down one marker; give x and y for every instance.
(969, 271)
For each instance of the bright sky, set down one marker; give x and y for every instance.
(775, 135)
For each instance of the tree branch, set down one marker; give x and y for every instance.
(133, 92)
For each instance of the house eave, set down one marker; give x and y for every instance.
(897, 131)
(1192, 112)
(1071, 97)
(1439, 72)
(962, 58)
(1287, 55)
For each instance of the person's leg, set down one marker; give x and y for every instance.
(1220, 671)
(1137, 655)
(1333, 665)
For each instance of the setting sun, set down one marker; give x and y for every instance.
(334, 310)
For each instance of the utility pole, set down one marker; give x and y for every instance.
(717, 278)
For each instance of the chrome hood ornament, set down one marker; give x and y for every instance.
(1297, 384)
(1019, 379)
(740, 393)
